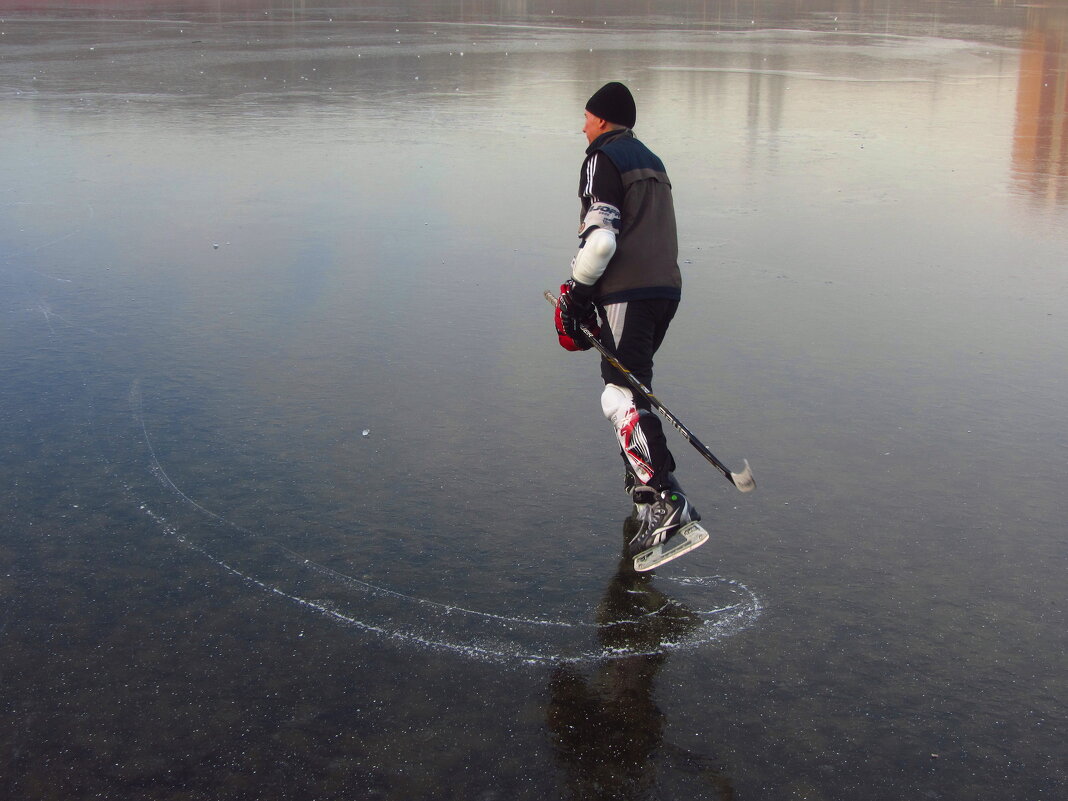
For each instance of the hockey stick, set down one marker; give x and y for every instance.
(744, 480)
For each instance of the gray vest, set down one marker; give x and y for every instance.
(646, 261)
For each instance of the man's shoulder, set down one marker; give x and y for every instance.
(597, 168)
(630, 153)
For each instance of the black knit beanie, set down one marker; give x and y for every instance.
(614, 103)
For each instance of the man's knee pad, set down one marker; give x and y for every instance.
(616, 402)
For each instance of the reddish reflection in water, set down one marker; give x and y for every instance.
(1040, 150)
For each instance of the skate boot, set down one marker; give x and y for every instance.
(643, 495)
(668, 512)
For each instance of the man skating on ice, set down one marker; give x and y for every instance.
(627, 271)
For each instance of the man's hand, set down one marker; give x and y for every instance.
(574, 310)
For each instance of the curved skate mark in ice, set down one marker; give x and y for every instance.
(645, 622)
(154, 465)
(161, 474)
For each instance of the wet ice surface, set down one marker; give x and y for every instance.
(303, 498)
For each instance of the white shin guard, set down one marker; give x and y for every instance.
(617, 403)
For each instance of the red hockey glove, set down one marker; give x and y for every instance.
(575, 309)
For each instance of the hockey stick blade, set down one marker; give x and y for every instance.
(744, 480)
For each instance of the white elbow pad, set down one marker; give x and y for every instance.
(593, 257)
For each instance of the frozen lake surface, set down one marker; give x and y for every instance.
(302, 499)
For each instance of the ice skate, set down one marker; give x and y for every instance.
(668, 529)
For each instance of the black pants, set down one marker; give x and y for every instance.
(634, 331)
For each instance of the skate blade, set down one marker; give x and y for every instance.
(690, 536)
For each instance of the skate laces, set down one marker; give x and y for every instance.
(661, 519)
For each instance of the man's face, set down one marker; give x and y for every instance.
(594, 127)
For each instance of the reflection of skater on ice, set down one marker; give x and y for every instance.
(607, 730)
